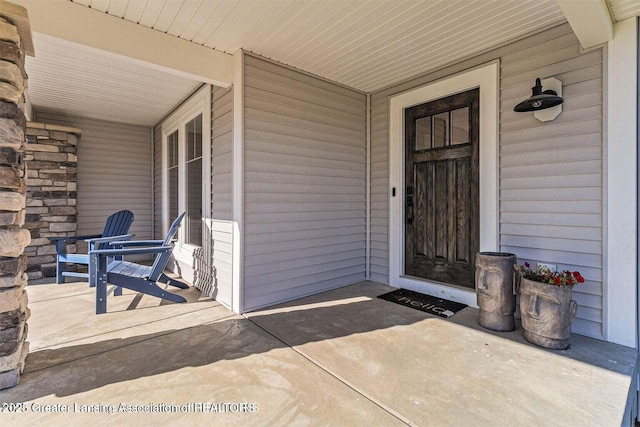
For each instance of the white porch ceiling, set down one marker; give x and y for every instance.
(78, 80)
(364, 44)
(623, 9)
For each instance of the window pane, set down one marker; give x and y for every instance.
(423, 133)
(172, 149)
(173, 193)
(172, 162)
(440, 128)
(194, 202)
(194, 181)
(190, 130)
(198, 136)
(194, 138)
(460, 126)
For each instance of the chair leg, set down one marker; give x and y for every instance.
(117, 291)
(149, 288)
(170, 297)
(101, 297)
(98, 278)
(59, 270)
(172, 282)
(157, 291)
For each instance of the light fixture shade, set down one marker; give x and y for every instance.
(539, 100)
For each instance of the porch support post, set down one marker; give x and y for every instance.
(589, 20)
(15, 38)
(237, 303)
(621, 167)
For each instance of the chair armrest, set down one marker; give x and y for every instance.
(110, 239)
(74, 238)
(132, 251)
(137, 243)
(94, 242)
(61, 242)
(99, 260)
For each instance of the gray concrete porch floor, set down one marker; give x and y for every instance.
(343, 357)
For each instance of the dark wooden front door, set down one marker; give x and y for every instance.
(442, 227)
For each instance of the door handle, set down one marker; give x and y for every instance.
(409, 202)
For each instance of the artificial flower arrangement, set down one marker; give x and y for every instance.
(543, 274)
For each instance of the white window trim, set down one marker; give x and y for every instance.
(199, 103)
(485, 77)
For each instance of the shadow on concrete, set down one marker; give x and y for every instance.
(73, 369)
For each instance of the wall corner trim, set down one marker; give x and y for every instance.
(237, 300)
(621, 166)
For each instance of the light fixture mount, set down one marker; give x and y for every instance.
(539, 99)
(546, 105)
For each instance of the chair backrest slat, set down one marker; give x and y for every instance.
(158, 265)
(117, 224)
(162, 258)
(173, 229)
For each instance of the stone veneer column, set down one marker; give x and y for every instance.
(51, 161)
(15, 41)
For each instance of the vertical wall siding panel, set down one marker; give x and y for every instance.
(551, 174)
(305, 166)
(114, 172)
(221, 193)
(157, 183)
(380, 189)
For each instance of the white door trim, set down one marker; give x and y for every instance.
(485, 77)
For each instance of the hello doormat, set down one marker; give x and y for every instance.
(428, 304)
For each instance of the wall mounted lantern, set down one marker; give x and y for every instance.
(546, 105)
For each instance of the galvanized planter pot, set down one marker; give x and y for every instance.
(547, 312)
(495, 290)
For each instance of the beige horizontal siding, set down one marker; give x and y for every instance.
(551, 174)
(305, 164)
(221, 193)
(301, 82)
(379, 190)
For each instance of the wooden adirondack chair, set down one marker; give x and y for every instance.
(104, 269)
(115, 229)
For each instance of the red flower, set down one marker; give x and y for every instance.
(543, 274)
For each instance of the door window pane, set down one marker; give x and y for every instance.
(423, 133)
(460, 126)
(440, 130)
(194, 181)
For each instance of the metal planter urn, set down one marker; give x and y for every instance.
(495, 291)
(547, 312)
